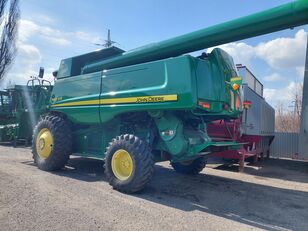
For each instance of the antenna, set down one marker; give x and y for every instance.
(108, 41)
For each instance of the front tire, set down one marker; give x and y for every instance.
(190, 168)
(52, 143)
(129, 164)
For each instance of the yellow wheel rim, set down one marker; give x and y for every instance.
(44, 143)
(122, 164)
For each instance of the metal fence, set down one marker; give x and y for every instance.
(285, 145)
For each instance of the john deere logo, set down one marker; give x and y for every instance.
(150, 99)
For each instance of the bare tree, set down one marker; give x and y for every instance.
(9, 28)
(286, 120)
(289, 120)
(2, 8)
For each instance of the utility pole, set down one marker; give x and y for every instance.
(303, 135)
(297, 105)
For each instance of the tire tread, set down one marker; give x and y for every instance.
(62, 147)
(142, 157)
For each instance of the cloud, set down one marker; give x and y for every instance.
(300, 71)
(25, 65)
(29, 28)
(40, 45)
(54, 36)
(282, 96)
(241, 53)
(29, 56)
(283, 53)
(44, 18)
(26, 29)
(280, 53)
(58, 41)
(87, 37)
(29, 50)
(275, 77)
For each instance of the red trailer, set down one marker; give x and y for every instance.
(255, 128)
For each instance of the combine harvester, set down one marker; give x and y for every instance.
(20, 108)
(255, 128)
(150, 104)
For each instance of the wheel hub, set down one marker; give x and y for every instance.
(44, 143)
(122, 164)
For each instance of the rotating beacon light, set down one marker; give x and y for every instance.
(235, 83)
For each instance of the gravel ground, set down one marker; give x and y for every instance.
(271, 196)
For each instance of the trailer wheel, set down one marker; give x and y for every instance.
(129, 163)
(191, 167)
(52, 143)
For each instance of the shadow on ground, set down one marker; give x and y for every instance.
(260, 206)
(284, 169)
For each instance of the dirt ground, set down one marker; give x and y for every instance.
(271, 196)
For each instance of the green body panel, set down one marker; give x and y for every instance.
(171, 76)
(189, 78)
(214, 88)
(79, 88)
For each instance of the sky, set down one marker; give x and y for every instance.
(51, 30)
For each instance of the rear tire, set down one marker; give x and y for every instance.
(129, 163)
(52, 143)
(190, 168)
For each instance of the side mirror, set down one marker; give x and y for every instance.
(41, 72)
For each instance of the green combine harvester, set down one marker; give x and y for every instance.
(150, 104)
(21, 107)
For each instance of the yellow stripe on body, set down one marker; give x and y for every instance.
(235, 78)
(139, 99)
(78, 103)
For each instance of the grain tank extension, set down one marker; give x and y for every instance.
(152, 103)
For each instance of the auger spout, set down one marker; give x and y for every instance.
(278, 18)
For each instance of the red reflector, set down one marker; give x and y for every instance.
(205, 105)
(247, 104)
(238, 102)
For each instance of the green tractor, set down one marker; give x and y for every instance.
(21, 107)
(150, 104)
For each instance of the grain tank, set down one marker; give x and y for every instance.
(152, 103)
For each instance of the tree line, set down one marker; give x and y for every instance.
(288, 117)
